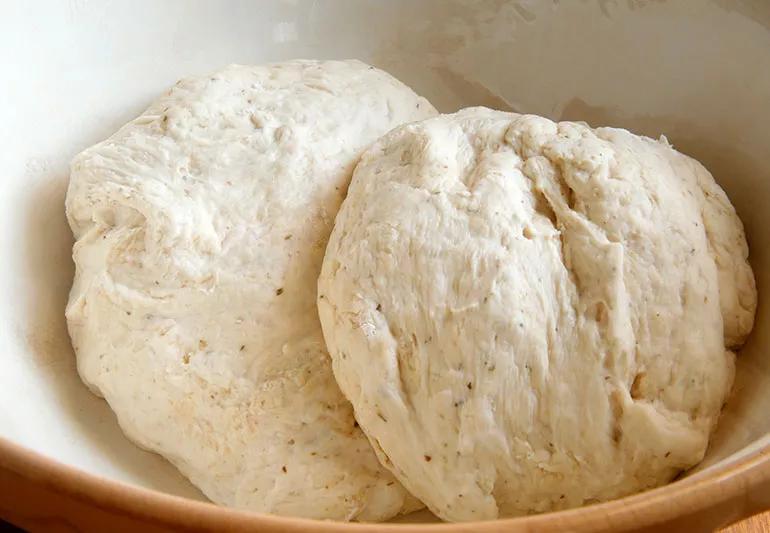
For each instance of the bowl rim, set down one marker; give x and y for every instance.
(722, 483)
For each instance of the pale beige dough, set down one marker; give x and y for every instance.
(200, 228)
(529, 315)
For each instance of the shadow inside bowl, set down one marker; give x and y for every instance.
(93, 441)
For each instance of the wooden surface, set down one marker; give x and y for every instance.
(757, 524)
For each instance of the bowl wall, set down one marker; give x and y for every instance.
(73, 72)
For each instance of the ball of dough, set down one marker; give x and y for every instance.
(200, 228)
(529, 315)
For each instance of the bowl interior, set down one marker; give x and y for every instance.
(73, 72)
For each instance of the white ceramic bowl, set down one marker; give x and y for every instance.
(72, 72)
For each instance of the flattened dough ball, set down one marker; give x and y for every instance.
(200, 231)
(530, 316)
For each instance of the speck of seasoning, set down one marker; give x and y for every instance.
(667, 454)
(427, 458)
(287, 237)
(313, 453)
(355, 423)
(459, 495)
(279, 291)
(379, 307)
(128, 313)
(291, 441)
(157, 283)
(202, 344)
(382, 417)
(243, 347)
(469, 385)
(284, 469)
(186, 358)
(390, 483)
(561, 497)
(521, 324)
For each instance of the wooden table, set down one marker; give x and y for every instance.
(758, 524)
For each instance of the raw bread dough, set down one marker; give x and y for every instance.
(531, 316)
(200, 230)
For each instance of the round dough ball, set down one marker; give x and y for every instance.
(529, 315)
(200, 228)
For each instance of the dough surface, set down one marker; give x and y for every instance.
(200, 228)
(529, 315)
